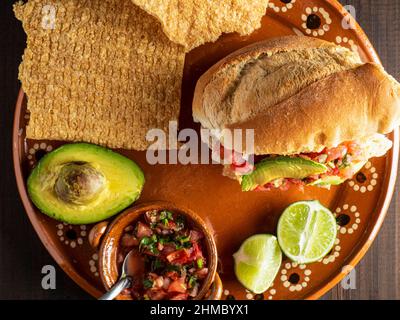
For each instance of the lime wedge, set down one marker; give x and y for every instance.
(306, 231)
(257, 262)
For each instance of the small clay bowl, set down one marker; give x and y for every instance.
(108, 237)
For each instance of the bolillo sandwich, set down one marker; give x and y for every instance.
(318, 112)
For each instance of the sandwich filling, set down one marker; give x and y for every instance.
(331, 166)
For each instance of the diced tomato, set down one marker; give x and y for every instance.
(240, 165)
(173, 275)
(195, 290)
(195, 235)
(285, 186)
(172, 225)
(353, 148)
(160, 246)
(335, 171)
(243, 169)
(179, 256)
(202, 273)
(312, 155)
(336, 153)
(167, 282)
(143, 230)
(314, 177)
(298, 184)
(238, 160)
(179, 296)
(267, 187)
(178, 286)
(168, 248)
(156, 294)
(183, 256)
(196, 253)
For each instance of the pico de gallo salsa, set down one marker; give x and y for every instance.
(175, 264)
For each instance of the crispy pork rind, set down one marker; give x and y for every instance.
(99, 71)
(192, 23)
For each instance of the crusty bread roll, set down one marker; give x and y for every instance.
(300, 94)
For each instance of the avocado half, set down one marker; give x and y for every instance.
(280, 167)
(83, 183)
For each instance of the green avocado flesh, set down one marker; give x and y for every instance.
(328, 181)
(336, 180)
(280, 167)
(83, 183)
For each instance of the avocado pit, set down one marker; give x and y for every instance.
(79, 183)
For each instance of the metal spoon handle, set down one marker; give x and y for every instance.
(122, 284)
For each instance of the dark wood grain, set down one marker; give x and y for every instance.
(378, 274)
(22, 255)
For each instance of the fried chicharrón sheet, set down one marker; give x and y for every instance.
(192, 23)
(99, 71)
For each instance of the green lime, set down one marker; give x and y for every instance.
(257, 262)
(306, 231)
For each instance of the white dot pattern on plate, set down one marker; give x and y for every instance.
(70, 235)
(294, 276)
(345, 41)
(350, 217)
(43, 147)
(93, 264)
(334, 254)
(365, 180)
(281, 6)
(324, 25)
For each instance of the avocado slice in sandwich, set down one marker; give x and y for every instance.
(336, 180)
(83, 183)
(271, 169)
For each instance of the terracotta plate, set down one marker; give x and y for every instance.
(360, 204)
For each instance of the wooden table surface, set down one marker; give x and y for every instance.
(22, 255)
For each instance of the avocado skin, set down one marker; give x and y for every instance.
(124, 177)
(280, 167)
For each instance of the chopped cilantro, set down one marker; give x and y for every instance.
(147, 283)
(169, 215)
(172, 267)
(163, 215)
(144, 242)
(183, 239)
(200, 263)
(156, 264)
(192, 281)
(149, 244)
